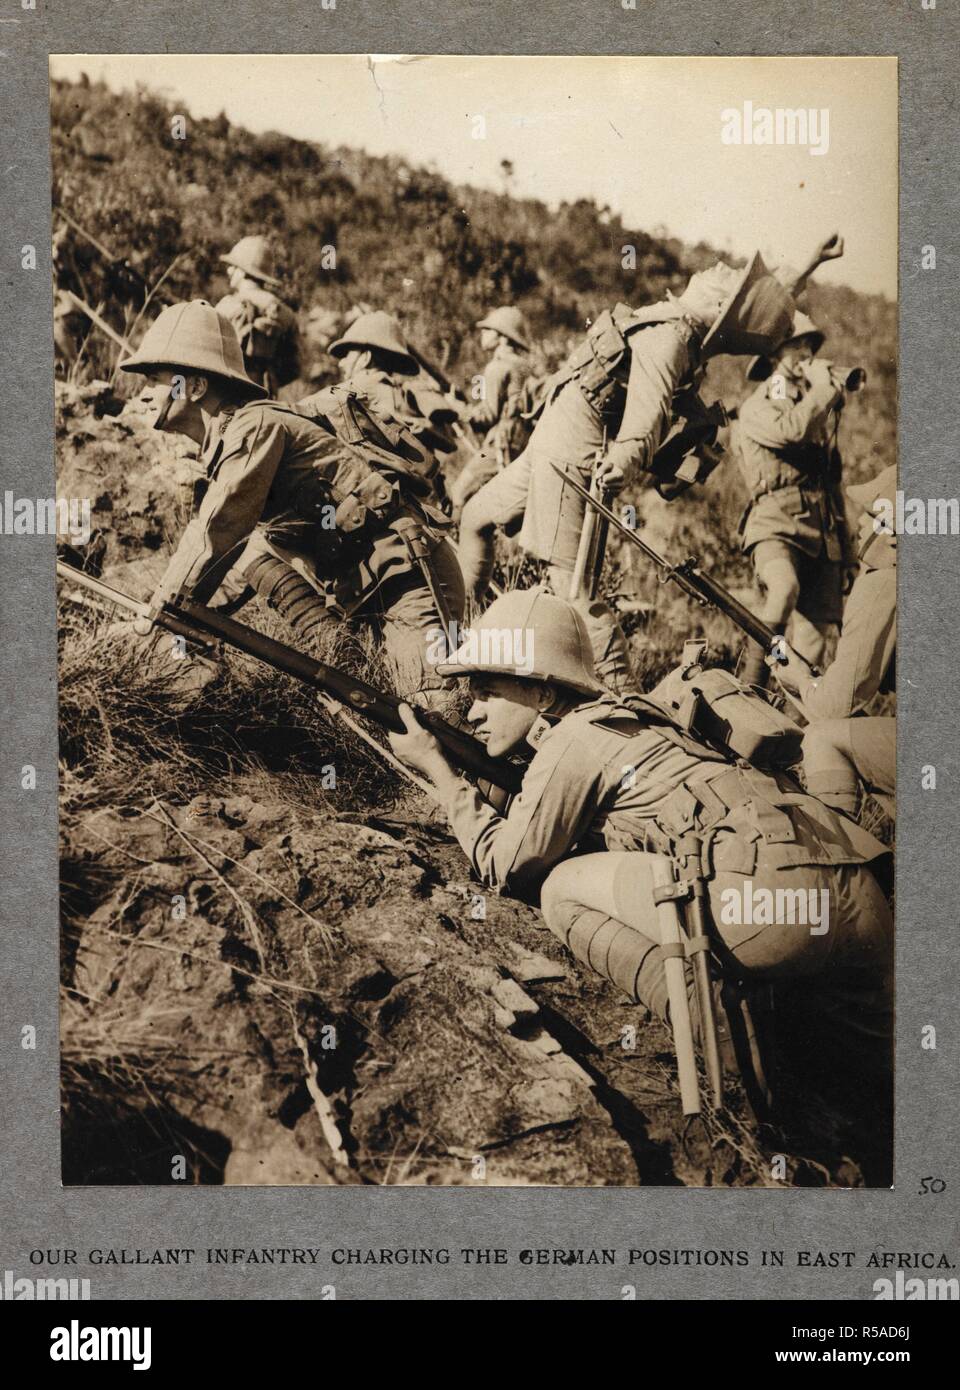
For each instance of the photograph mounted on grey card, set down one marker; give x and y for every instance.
(476, 481)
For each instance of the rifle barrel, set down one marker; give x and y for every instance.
(188, 619)
(688, 576)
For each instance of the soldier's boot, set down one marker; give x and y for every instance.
(297, 602)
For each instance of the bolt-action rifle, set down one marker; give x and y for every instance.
(205, 627)
(688, 575)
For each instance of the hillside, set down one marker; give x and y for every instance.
(405, 239)
(197, 1027)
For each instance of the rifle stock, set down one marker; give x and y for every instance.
(196, 622)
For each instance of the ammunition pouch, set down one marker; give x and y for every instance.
(386, 443)
(348, 514)
(748, 819)
(713, 705)
(600, 364)
(690, 452)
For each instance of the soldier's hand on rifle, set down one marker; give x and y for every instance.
(144, 624)
(790, 669)
(610, 475)
(418, 748)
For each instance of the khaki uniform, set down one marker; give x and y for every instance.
(840, 751)
(792, 475)
(865, 652)
(497, 413)
(603, 777)
(618, 384)
(281, 486)
(497, 416)
(268, 333)
(394, 399)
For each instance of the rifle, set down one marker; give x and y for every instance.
(119, 266)
(204, 626)
(585, 579)
(688, 575)
(98, 322)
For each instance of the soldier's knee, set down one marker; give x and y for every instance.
(558, 897)
(824, 734)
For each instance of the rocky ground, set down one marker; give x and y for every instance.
(266, 980)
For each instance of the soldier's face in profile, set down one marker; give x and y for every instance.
(503, 711)
(169, 395)
(489, 338)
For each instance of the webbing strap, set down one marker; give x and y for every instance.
(672, 948)
(671, 892)
(696, 944)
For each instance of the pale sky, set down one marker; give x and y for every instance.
(642, 134)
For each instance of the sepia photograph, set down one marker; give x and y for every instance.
(476, 512)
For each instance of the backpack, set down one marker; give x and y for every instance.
(342, 413)
(712, 705)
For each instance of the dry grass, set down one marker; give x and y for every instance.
(131, 725)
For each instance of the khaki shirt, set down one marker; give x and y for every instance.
(601, 771)
(868, 641)
(661, 355)
(784, 451)
(571, 431)
(503, 379)
(256, 456)
(267, 329)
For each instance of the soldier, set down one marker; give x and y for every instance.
(793, 527)
(266, 327)
(322, 530)
(839, 749)
(498, 413)
(619, 385)
(377, 364)
(613, 782)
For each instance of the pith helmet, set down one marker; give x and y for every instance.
(254, 256)
(508, 321)
(530, 634)
(376, 330)
(192, 335)
(755, 318)
(802, 327)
